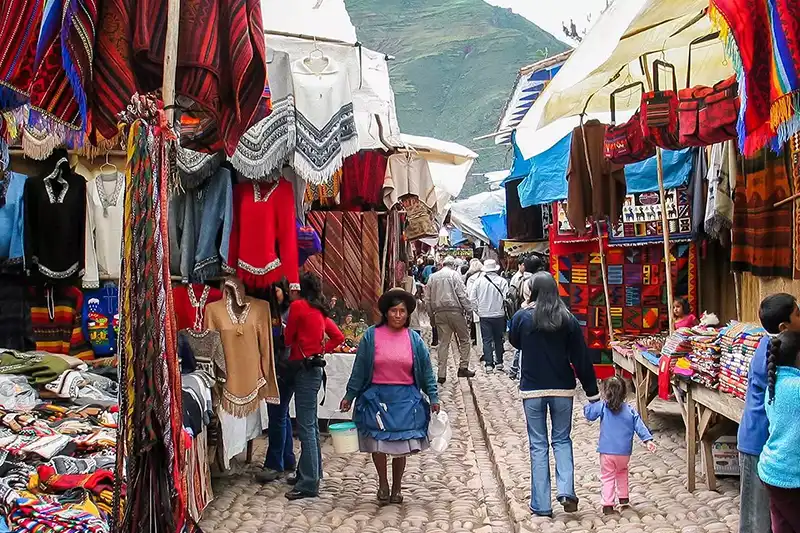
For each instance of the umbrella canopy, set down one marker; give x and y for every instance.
(620, 49)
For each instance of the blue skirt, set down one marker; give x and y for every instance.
(392, 413)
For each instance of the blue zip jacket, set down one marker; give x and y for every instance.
(778, 465)
(361, 376)
(754, 428)
(617, 429)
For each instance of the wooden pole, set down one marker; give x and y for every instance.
(171, 59)
(605, 278)
(665, 231)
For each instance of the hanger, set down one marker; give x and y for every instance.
(316, 54)
(108, 171)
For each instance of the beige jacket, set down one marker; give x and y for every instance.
(446, 292)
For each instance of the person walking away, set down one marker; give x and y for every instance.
(777, 313)
(280, 457)
(618, 423)
(306, 328)
(521, 284)
(391, 371)
(448, 304)
(415, 323)
(475, 266)
(553, 353)
(778, 467)
(487, 295)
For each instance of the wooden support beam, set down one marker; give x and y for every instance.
(691, 440)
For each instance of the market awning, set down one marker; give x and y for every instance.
(611, 56)
(466, 214)
(323, 19)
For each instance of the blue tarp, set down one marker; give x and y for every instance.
(547, 180)
(495, 228)
(520, 167)
(643, 176)
(456, 236)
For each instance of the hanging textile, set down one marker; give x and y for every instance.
(362, 179)
(16, 332)
(333, 272)
(523, 223)
(151, 414)
(763, 235)
(762, 39)
(721, 185)
(314, 264)
(641, 218)
(370, 265)
(562, 231)
(18, 50)
(351, 238)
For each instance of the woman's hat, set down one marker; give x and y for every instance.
(385, 301)
(490, 265)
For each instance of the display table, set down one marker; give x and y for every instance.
(623, 361)
(645, 378)
(338, 372)
(705, 413)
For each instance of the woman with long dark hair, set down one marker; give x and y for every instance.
(280, 449)
(391, 371)
(307, 327)
(552, 344)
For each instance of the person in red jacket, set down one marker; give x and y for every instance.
(307, 329)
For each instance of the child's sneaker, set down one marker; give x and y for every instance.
(608, 510)
(624, 502)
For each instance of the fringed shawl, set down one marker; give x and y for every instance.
(762, 39)
(63, 68)
(18, 49)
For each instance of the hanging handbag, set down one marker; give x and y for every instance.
(660, 111)
(707, 115)
(625, 143)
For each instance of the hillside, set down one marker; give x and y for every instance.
(455, 63)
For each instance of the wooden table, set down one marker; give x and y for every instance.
(645, 378)
(708, 414)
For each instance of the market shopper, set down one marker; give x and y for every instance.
(306, 328)
(474, 320)
(391, 371)
(619, 422)
(280, 457)
(778, 313)
(448, 305)
(487, 295)
(778, 467)
(521, 282)
(553, 353)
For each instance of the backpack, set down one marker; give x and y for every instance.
(513, 300)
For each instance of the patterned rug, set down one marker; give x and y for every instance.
(641, 218)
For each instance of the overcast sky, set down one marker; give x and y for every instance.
(549, 14)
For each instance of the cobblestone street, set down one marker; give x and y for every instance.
(481, 483)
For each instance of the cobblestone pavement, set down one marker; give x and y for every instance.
(481, 484)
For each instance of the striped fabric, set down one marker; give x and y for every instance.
(56, 321)
(314, 264)
(370, 264)
(333, 271)
(17, 50)
(351, 275)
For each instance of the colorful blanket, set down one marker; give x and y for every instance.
(763, 235)
(762, 39)
(641, 218)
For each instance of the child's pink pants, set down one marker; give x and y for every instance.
(614, 477)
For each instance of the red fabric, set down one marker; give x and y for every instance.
(362, 179)
(306, 329)
(664, 374)
(96, 483)
(260, 226)
(185, 314)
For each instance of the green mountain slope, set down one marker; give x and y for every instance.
(455, 64)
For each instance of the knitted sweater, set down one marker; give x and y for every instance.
(56, 320)
(263, 241)
(778, 465)
(104, 210)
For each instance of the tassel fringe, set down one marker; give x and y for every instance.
(317, 176)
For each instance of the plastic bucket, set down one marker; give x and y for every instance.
(345, 437)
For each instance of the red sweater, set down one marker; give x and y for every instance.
(185, 312)
(263, 242)
(306, 329)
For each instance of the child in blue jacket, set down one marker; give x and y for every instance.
(618, 422)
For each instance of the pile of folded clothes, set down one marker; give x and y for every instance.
(650, 347)
(678, 344)
(704, 357)
(738, 343)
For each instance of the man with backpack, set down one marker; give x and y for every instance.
(488, 295)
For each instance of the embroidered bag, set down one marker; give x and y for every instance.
(626, 143)
(707, 115)
(660, 111)
(420, 222)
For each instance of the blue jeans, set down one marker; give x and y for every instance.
(280, 451)
(493, 331)
(754, 507)
(309, 467)
(514, 372)
(561, 422)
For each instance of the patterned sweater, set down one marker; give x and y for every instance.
(56, 319)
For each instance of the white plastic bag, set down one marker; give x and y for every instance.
(439, 432)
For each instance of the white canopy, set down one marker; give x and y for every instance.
(324, 19)
(466, 214)
(628, 30)
(369, 80)
(449, 162)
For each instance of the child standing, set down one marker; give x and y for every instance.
(618, 422)
(778, 467)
